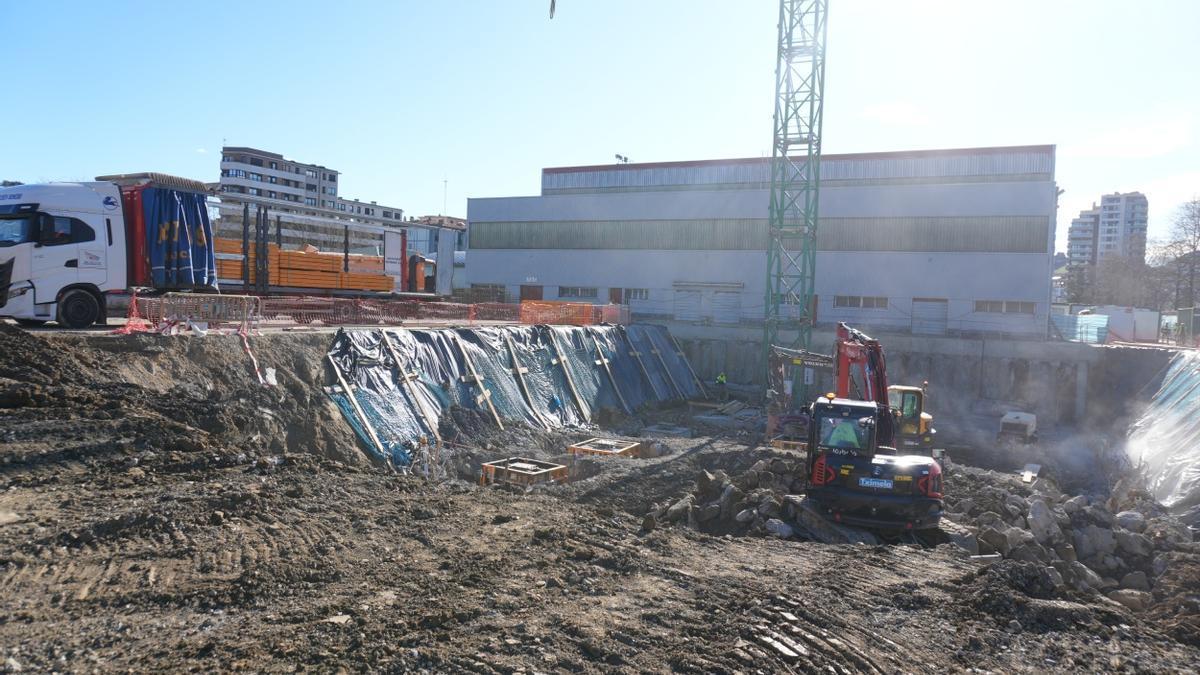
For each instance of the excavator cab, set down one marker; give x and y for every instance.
(914, 425)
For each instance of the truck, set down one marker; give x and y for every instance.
(66, 248)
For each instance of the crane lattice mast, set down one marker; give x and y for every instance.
(795, 174)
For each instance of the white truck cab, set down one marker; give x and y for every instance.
(62, 247)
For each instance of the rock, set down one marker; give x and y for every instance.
(990, 519)
(1134, 544)
(216, 517)
(761, 465)
(135, 473)
(1075, 504)
(995, 539)
(1014, 626)
(745, 516)
(1136, 601)
(1042, 524)
(1136, 580)
(770, 507)
(1018, 537)
(1167, 533)
(779, 528)
(1131, 520)
(1099, 514)
(1030, 552)
(1015, 506)
(729, 496)
(1085, 578)
(961, 536)
(750, 480)
(1065, 552)
(1094, 541)
(679, 510)
(1055, 577)
(707, 485)
(649, 523)
(708, 512)
(1159, 565)
(964, 506)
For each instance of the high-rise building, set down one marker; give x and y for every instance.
(306, 199)
(1117, 227)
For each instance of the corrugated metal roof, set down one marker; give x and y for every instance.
(1017, 161)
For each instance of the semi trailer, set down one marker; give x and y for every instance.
(66, 248)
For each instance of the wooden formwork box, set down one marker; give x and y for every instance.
(522, 471)
(606, 447)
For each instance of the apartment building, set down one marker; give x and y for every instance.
(307, 200)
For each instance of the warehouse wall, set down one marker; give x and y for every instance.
(687, 240)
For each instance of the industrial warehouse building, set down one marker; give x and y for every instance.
(942, 241)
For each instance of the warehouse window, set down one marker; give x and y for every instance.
(576, 292)
(1005, 307)
(636, 294)
(860, 302)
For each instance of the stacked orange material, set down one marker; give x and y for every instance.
(563, 313)
(308, 268)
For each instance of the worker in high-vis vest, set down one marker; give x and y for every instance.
(722, 393)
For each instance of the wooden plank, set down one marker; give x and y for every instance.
(686, 362)
(519, 373)
(567, 372)
(602, 361)
(641, 364)
(483, 392)
(663, 363)
(362, 417)
(406, 380)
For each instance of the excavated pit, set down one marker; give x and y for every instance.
(160, 509)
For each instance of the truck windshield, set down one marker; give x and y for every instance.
(845, 432)
(16, 230)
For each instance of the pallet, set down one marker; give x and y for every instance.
(521, 471)
(606, 447)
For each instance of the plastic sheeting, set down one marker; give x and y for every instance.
(1089, 328)
(404, 384)
(1166, 439)
(179, 239)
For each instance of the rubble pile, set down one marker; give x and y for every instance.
(763, 500)
(1118, 546)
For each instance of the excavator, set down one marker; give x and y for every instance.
(854, 472)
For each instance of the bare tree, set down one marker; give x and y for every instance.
(1185, 237)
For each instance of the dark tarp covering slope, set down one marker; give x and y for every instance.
(405, 390)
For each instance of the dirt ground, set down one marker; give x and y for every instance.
(161, 510)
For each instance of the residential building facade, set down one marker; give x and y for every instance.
(307, 200)
(942, 241)
(1114, 228)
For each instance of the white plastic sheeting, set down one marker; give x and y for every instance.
(1166, 439)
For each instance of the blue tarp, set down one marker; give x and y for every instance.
(405, 390)
(179, 239)
(1090, 328)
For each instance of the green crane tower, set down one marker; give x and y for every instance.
(795, 174)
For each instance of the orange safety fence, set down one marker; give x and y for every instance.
(183, 311)
(572, 313)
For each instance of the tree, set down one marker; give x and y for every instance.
(1185, 238)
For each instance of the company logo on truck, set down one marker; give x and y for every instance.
(110, 203)
(91, 259)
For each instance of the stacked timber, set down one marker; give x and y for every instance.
(305, 269)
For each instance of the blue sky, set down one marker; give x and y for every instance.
(402, 95)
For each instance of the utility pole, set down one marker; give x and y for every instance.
(795, 174)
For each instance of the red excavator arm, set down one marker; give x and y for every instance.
(859, 362)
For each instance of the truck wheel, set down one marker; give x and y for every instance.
(78, 309)
(30, 323)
